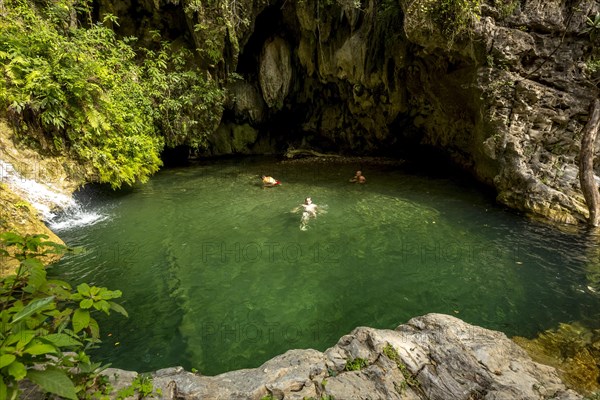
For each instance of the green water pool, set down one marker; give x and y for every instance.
(216, 273)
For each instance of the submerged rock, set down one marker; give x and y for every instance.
(430, 357)
(573, 349)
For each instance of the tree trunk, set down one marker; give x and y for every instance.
(586, 164)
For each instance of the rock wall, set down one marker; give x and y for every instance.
(505, 95)
(431, 357)
(501, 87)
(507, 98)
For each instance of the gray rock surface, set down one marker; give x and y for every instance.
(434, 356)
(275, 73)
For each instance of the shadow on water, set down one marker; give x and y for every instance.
(217, 275)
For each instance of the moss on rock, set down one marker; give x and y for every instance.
(16, 215)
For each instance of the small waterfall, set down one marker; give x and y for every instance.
(57, 209)
(75, 216)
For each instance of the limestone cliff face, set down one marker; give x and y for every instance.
(502, 88)
(507, 98)
(527, 98)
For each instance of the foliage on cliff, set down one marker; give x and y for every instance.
(186, 105)
(79, 89)
(451, 19)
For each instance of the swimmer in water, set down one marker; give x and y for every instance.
(269, 181)
(358, 178)
(309, 211)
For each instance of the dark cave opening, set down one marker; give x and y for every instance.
(302, 121)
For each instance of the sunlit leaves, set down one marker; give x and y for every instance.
(17, 370)
(7, 359)
(38, 348)
(62, 340)
(81, 320)
(84, 89)
(118, 308)
(187, 103)
(36, 318)
(80, 87)
(32, 308)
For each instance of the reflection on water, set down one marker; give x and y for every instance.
(217, 275)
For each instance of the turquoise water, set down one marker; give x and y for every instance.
(216, 273)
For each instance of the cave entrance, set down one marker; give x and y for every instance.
(282, 124)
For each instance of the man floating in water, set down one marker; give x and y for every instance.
(269, 181)
(309, 210)
(358, 178)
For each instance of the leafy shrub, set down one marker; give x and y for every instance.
(46, 327)
(592, 27)
(452, 18)
(186, 103)
(83, 91)
(142, 387)
(77, 90)
(409, 379)
(356, 365)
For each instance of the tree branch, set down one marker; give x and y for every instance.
(586, 164)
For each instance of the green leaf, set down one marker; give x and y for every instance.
(54, 248)
(37, 274)
(3, 390)
(86, 303)
(81, 319)
(24, 338)
(32, 308)
(84, 289)
(38, 348)
(32, 264)
(60, 289)
(110, 294)
(6, 359)
(94, 328)
(10, 238)
(11, 339)
(55, 381)
(102, 305)
(17, 370)
(62, 340)
(118, 308)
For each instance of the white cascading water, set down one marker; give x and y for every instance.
(58, 210)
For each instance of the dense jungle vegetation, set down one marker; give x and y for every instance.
(69, 85)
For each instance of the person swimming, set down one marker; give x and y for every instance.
(358, 178)
(269, 181)
(309, 210)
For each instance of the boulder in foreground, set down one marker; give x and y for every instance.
(434, 356)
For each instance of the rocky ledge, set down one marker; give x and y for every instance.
(430, 357)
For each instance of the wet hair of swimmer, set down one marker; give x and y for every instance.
(308, 200)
